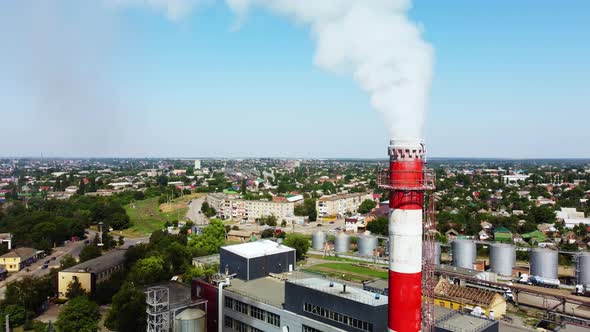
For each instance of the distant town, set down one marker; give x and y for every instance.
(114, 235)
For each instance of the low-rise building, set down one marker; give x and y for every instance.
(91, 273)
(19, 258)
(256, 259)
(457, 297)
(339, 205)
(231, 206)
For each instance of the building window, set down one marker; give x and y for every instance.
(309, 329)
(273, 319)
(228, 322)
(241, 327)
(337, 317)
(229, 302)
(241, 307)
(257, 313)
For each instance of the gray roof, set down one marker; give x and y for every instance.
(99, 264)
(454, 321)
(210, 259)
(334, 288)
(266, 290)
(179, 293)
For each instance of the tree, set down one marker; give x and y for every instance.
(298, 242)
(89, 252)
(212, 238)
(378, 226)
(79, 315)
(30, 292)
(162, 180)
(366, 206)
(75, 289)
(580, 229)
(127, 311)
(267, 233)
(17, 314)
(67, 261)
(243, 186)
(148, 271)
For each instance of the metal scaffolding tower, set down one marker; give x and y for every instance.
(158, 309)
(428, 263)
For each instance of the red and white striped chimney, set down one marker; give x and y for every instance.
(406, 163)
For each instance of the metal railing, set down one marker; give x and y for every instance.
(416, 180)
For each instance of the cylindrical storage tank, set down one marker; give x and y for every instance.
(437, 253)
(191, 320)
(367, 245)
(583, 269)
(502, 259)
(342, 243)
(544, 263)
(318, 239)
(464, 253)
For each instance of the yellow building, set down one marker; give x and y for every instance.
(19, 258)
(92, 272)
(459, 298)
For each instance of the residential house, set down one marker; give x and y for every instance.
(19, 258)
(534, 236)
(517, 238)
(483, 235)
(452, 234)
(502, 234)
(241, 236)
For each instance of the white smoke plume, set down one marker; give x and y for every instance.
(374, 41)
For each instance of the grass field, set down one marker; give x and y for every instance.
(350, 271)
(147, 216)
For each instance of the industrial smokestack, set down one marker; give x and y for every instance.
(406, 163)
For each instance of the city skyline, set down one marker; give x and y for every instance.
(153, 84)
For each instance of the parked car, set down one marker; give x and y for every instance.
(45, 266)
(47, 262)
(52, 258)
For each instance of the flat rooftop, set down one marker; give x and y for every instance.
(267, 290)
(179, 293)
(455, 321)
(335, 288)
(258, 249)
(99, 264)
(210, 259)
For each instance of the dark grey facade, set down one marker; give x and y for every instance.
(247, 268)
(299, 298)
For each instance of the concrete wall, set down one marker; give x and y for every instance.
(64, 279)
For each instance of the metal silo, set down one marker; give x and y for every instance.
(544, 263)
(583, 269)
(342, 243)
(318, 239)
(464, 253)
(367, 245)
(437, 253)
(502, 259)
(191, 320)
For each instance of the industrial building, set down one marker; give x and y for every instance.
(172, 308)
(333, 206)
(302, 302)
(456, 297)
(256, 259)
(92, 272)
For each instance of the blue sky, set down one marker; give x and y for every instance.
(511, 79)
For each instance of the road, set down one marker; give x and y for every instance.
(194, 212)
(72, 248)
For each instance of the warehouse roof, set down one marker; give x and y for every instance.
(258, 249)
(470, 295)
(99, 264)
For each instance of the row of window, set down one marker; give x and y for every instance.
(255, 312)
(236, 325)
(338, 317)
